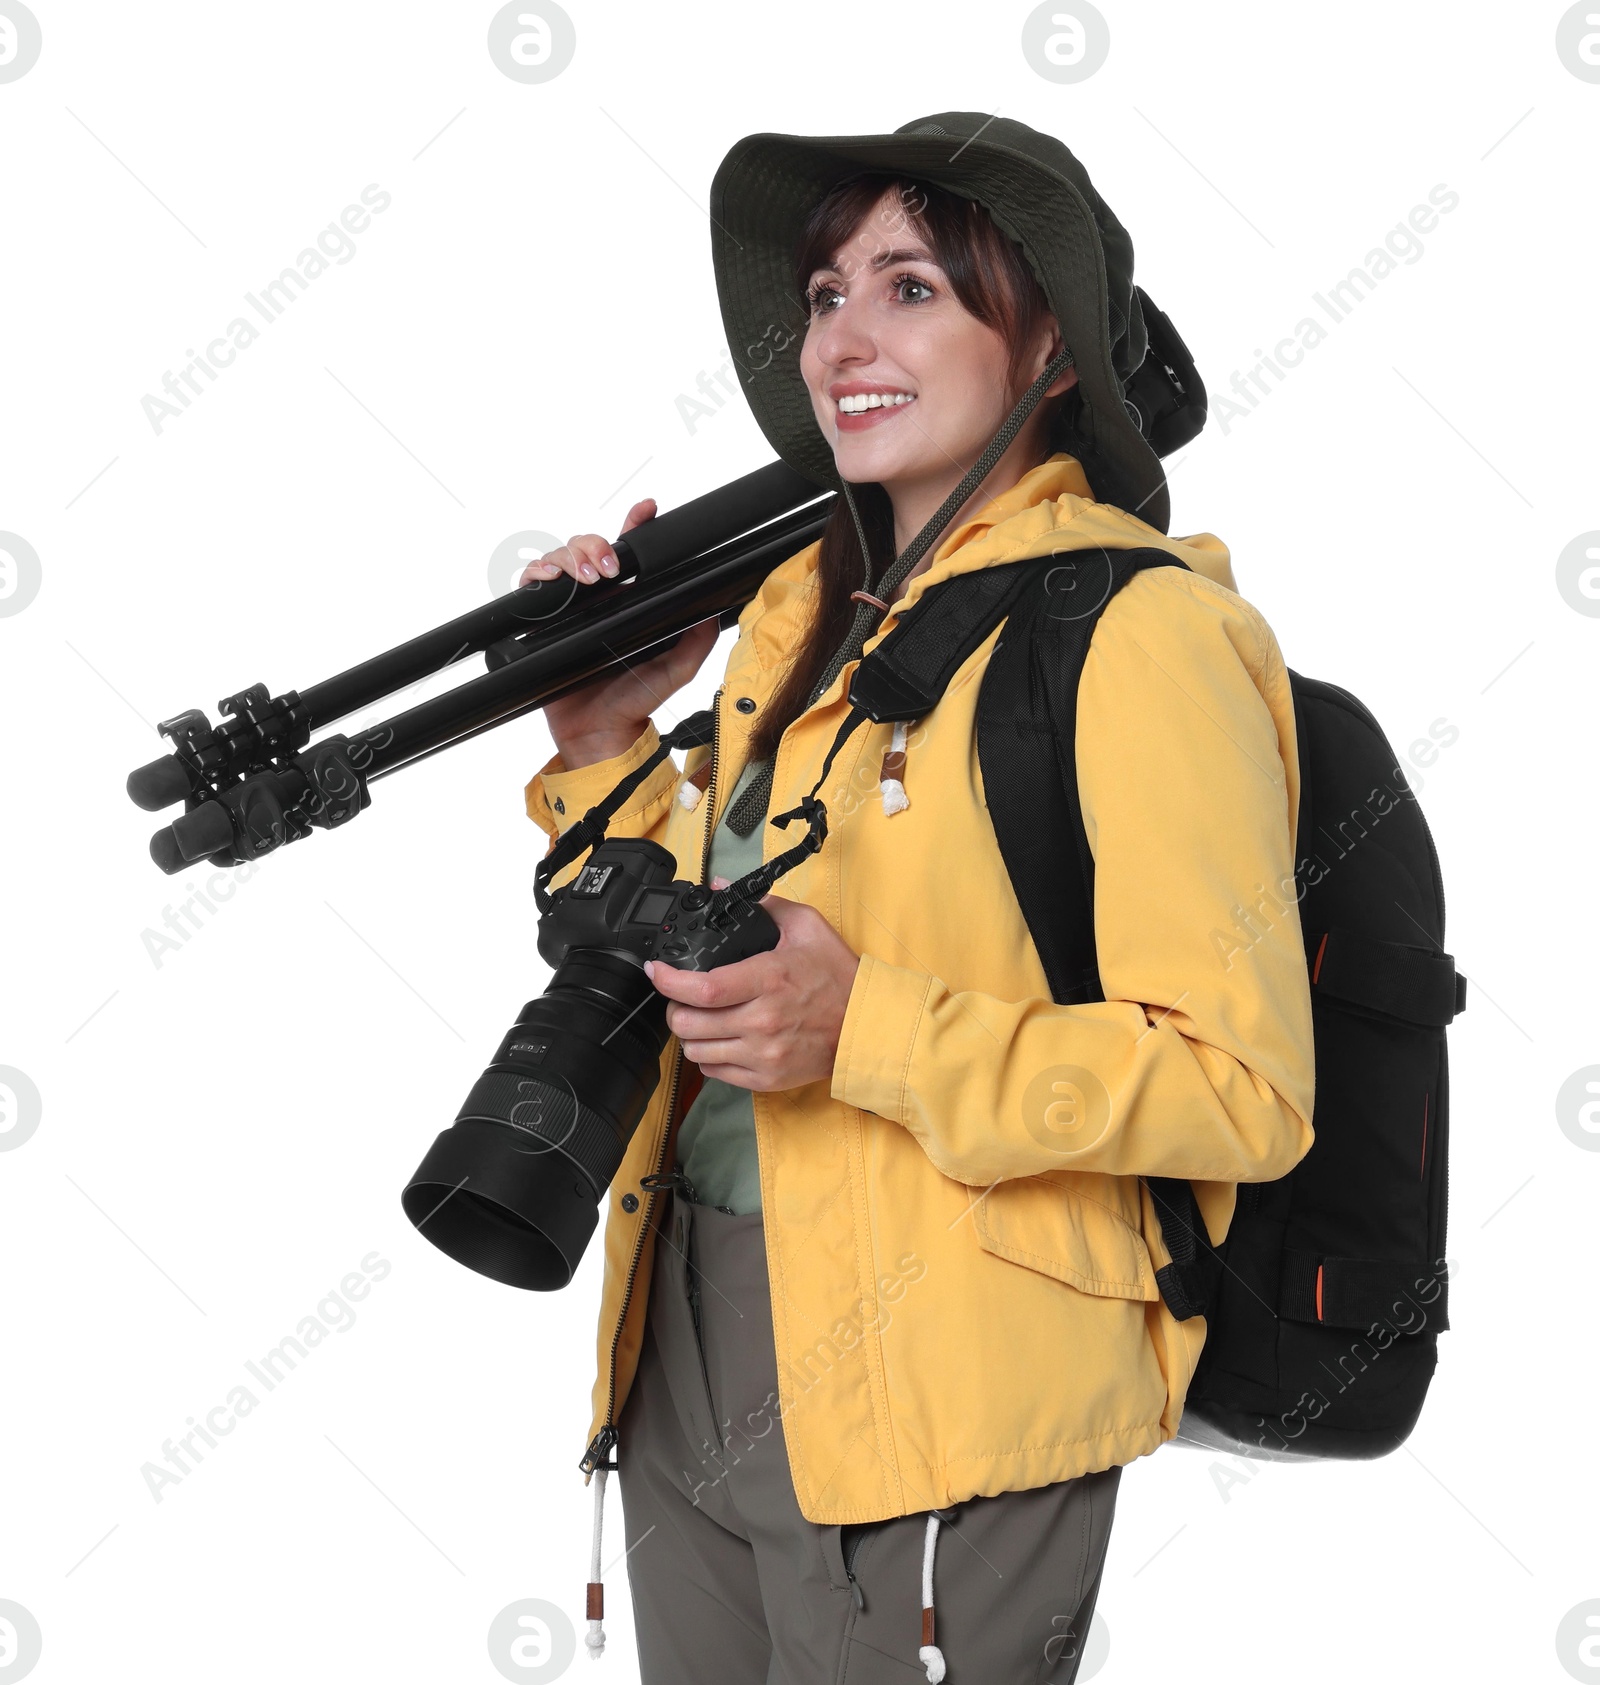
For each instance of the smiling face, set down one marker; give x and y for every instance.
(906, 384)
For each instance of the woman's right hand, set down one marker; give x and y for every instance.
(606, 716)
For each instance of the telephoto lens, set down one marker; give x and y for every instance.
(512, 1188)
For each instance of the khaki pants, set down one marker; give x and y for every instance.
(733, 1586)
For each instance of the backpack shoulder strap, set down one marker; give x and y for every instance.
(909, 671)
(1026, 727)
(903, 678)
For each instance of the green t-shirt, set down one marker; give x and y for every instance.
(717, 1138)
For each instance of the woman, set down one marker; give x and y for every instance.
(879, 1256)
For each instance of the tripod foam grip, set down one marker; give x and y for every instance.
(159, 784)
(743, 504)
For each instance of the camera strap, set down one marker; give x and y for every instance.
(691, 733)
(694, 732)
(902, 679)
(759, 881)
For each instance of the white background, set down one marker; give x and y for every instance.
(225, 1134)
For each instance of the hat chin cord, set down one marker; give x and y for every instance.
(945, 513)
(747, 812)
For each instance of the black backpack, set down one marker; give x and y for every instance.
(1324, 1302)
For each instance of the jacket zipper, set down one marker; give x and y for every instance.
(606, 1438)
(850, 1571)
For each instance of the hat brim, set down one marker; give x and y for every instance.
(764, 191)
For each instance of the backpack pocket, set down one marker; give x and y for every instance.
(1071, 1225)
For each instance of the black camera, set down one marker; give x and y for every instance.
(512, 1188)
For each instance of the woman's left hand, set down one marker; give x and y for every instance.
(771, 1021)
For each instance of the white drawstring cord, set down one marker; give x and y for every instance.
(595, 1638)
(891, 778)
(930, 1655)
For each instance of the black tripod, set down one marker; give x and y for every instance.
(251, 783)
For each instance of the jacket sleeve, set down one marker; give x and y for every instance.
(556, 798)
(1199, 1062)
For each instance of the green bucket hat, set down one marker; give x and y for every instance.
(1037, 193)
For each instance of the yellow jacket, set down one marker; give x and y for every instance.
(962, 1255)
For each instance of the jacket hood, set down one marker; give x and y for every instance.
(1051, 507)
(1054, 501)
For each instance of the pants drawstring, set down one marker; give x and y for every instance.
(595, 1638)
(930, 1655)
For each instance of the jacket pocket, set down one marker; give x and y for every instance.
(1057, 1224)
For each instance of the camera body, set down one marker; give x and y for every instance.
(512, 1187)
(627, 900)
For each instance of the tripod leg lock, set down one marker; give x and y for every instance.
(320, 787)
(336, 791)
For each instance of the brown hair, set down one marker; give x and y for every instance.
(990, 277)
